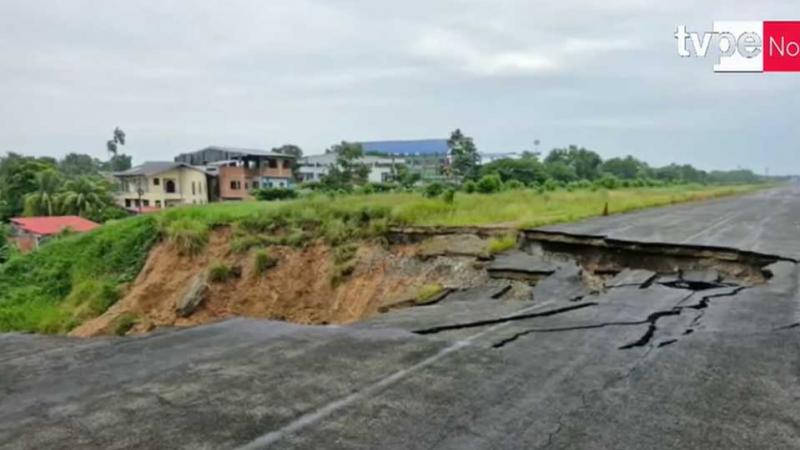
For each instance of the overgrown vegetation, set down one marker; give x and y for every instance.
(43, 186)
(74, 278)
(188, 236)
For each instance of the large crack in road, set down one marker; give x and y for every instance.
(608, 264)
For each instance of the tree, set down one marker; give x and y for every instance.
(77, 164)
(44, 201)
(118, 163)
(349, 169)
(464, 155)
(18, 179)
(626, 168)
(585, 163)
(526, 170)
(560, 171)
(84, 196)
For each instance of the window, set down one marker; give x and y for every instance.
(246, 186)
(273, 163)
(194, 192)
(236, 185)
(169, 186)
(127, 203)
(146, 202)
(158, 203)
(200, 187)
(287, 164)
(156, 181)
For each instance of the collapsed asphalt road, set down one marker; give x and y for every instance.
(705, 358)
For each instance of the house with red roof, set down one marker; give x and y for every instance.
(29, 232)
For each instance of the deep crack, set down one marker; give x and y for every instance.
(513, 318)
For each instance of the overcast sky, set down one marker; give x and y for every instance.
(182, 75)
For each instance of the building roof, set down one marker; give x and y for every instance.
(46, 226)
(151, 168)
(244, 151)
(421, 147)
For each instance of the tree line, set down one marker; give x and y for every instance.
(570, 167)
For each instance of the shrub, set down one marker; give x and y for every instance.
(514, 185)
(500, 244)
(470, 187)
(263, 261)
(270, 194)
(449, 196)
(188, 236)
(489, 184)
(434, 189)
(219, 272)
(608, 182)
(551, 185)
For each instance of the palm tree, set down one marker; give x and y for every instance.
(45, 199)
(83, 196)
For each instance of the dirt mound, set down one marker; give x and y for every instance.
(302, 287)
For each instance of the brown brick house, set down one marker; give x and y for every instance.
(239, 171)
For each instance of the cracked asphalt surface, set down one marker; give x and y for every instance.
(659, 367)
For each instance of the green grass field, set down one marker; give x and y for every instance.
(74, 278)
(519, 208)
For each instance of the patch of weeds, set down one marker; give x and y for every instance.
(188, 236)
(344, 253)
(219, 272)
(124, 323)
(241, 244)
(502, 243)
(263, 261)
(296, 238)
(428, 293)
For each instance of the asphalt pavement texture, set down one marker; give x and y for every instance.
(640, 365)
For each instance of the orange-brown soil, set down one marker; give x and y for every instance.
(298, 289)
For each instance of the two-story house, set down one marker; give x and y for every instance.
(238, 171)
(162, 184)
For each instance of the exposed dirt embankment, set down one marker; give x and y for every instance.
(306, 285)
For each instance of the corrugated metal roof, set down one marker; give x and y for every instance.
(46, 226)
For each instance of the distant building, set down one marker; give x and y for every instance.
(162, 184)
(239, 170)
(381, 168)
(486, 158)
(427, 157)
(30, 232)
